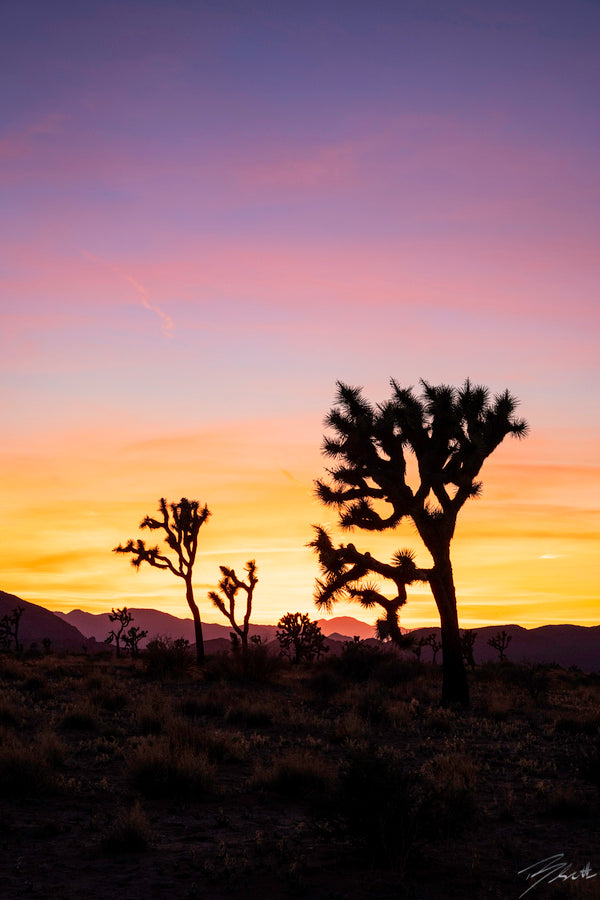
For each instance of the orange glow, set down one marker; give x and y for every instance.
(526, 552)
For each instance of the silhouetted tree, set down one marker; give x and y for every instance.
(9, 628)
(417, 646)
(436, 646)
(229, 585)
(467, 642)
(299, 638)
(450, 431)
(345, 570)
(500, 643)
(132, 639)
(181, 523)
(124, 618)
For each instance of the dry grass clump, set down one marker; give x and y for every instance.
(27, 769)
(161, 768)
(212, 705)
(581, 722)
(295, 773)
(449, 782)
(9, 713)
(129, 832)
(348, 726)
(79, 716)
(251, 712)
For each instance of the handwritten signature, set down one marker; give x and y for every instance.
(554, 868)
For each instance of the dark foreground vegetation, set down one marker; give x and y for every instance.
(338, 779)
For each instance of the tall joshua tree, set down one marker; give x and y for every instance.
(181, 523)
(229, 585)
(450, 432)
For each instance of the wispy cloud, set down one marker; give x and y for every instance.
(167, 324)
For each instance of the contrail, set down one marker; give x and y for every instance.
(168, 325)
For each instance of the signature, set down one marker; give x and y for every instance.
(554, 868)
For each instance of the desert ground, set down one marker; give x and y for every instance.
(341, 778)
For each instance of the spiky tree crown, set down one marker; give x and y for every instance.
(450, 431)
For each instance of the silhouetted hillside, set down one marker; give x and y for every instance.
(566, 645)
(38, 623)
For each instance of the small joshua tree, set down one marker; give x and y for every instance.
(467, 640)
(299, 638)
(132, 639)
(229, 585)
(9, 628)
(181, 523)
(417, 646)
(436, 646)
(124, 618)
(500, 643)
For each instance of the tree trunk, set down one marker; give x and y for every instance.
(455, 689)
(189, 596)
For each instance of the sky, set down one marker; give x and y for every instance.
(212, 211)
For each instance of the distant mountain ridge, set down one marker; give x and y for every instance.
(156, 622)
(38, 623)
(565, 645)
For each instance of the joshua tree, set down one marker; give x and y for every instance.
(9, 628)
(124, 618)
(229, 585)
(181, 523)
(345, 570)
(299, 638)
(436, 646)
(417, 646)
(450, 431)
(500, 643)
(467, 641)
(132, 639)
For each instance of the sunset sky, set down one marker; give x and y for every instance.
(210, 211)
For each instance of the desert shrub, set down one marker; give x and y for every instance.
(499, 701)
(379, 803)
(448, 781)
(79, 717)
(251, 713)
(25, 770)
(160, 768)
(257, 662)
(578, 723)
(295, 773)
(152, 713)
(211, 706)
(358, 660)
(373, 707)
(129, 832)
(565, 802)
(111, 701)
(11, 668)
(394, 670)
(168, 658)
(325, 684)
(346, 727)
(224, 746)
(52, 749)
(8, 713)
